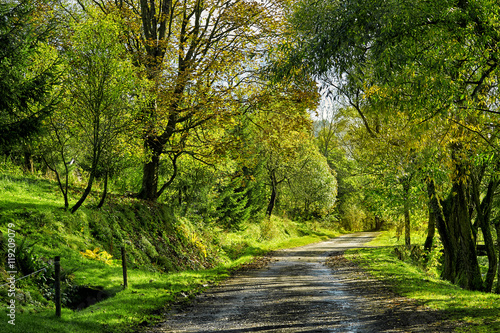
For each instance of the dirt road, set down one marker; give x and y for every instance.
(307, 289)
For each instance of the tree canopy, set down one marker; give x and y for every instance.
(357, 113)
(425, 70)
(25, 82)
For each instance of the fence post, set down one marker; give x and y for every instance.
(57, 300)
(124, 266)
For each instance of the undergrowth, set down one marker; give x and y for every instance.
(170, 257)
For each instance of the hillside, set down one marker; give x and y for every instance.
(169, 257)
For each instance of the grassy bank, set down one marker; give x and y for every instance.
(170, 258)
(476, 311)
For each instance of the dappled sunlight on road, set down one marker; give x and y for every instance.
(306, 289)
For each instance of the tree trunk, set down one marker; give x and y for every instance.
(272, 201)
(378, 223)
(86, 192)
(104, 192)
(149, 187)
(172, 178)
(492, 257)
(153, 146)
(406, 198)
(431, 228)
(466, 271)
(455, 229)
(483, 209)
(63, 188)
(497, 227)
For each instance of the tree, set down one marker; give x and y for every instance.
(313, 186)
(201, 54)
(55, 148)
(336, 138)
(233, 204)
(25, 83)
(103, 93)
(439, 69)
(280, 132)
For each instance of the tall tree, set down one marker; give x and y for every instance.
(25, 85)
(198, 53)
(282, 130)
(103, 91)
(442, 64)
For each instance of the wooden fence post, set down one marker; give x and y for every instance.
(124, 266)
(57, 300)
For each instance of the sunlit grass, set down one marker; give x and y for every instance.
(389, 238)
(479, 311)
(272, 234)
(141, 303)
(147, 293)
(36, 206)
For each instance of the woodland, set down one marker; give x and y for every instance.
(361, 114)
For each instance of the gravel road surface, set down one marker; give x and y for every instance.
(306, 289)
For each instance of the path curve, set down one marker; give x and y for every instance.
(305, 289)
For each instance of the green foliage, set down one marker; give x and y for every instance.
(25, 81)
(118, 112)
(314, 185)
(352, 215)
(233, 210)
(478, 310)
(239, 200)
(103, 95)
(169, 256)
(363, 197)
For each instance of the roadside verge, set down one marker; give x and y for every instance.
(472, 311)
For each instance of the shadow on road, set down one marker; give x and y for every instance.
(300, 292)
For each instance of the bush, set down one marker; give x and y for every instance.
(429, 261)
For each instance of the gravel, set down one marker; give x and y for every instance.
(307, 289)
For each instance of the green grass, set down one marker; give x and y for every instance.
(147, 295)
(34, 205)
(479, 311)
(272, 234)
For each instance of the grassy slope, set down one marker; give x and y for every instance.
(193, 256)
(477, 312)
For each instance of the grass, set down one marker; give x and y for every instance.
(148, 294)
(140, 304)
(193, 257)
(272, 234)
(34, 205)
(479, 312)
